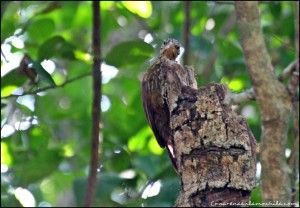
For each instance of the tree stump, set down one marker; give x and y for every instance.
(214, 148)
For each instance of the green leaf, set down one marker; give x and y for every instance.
(39, 166)
(199, 27)
(6, 157)
(38, 138)
(129, 53)
(8, 90)
(105, 186)
(170, 188)
(43, 73)
(149, 165)
(256, 195)
(8, 27)
(9, 19)
(41, 29)
(118, 161)
(53, 186)
(12, 78)
(139, 140)
(56, 46)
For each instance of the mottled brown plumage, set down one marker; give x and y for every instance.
(162, 84)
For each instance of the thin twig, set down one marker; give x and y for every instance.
(3, 55)
(49, 87)
(96, 107)
(186, 31)
(241, 97)
(224, 2)
(287, 72)
(247, 95)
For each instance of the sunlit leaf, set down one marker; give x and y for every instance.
(5, 154)
(7, 90)
(107, 5)
(236, 85)
(199, 27)
(141, 8)
(138, 141)
(86, 57)
(58, 78)
(154, 146)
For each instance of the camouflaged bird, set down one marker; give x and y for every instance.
(162, 83)
(34, 71)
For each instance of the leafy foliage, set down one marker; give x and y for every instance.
(45, 142)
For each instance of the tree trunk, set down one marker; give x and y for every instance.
(214, 147)
(274, 103)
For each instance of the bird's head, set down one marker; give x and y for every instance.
(170, 49)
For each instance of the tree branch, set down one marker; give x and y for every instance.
(237, 98)
(96, 106)
(49, 87)
(186, 31)
(288, 71)
(273, 100)
(249, 94)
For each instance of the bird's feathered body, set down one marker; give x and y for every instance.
(161, 85)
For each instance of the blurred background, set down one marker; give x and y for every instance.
(45, 136)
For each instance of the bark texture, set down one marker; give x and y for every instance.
(214, 147)
(274, 103)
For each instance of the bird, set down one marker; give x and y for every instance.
(162, 84)
(26, 70)
(34, 71)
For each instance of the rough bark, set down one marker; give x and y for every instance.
(274, 103)
(214, 147)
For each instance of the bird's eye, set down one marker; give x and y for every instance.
(177, 47)
(165, 42)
